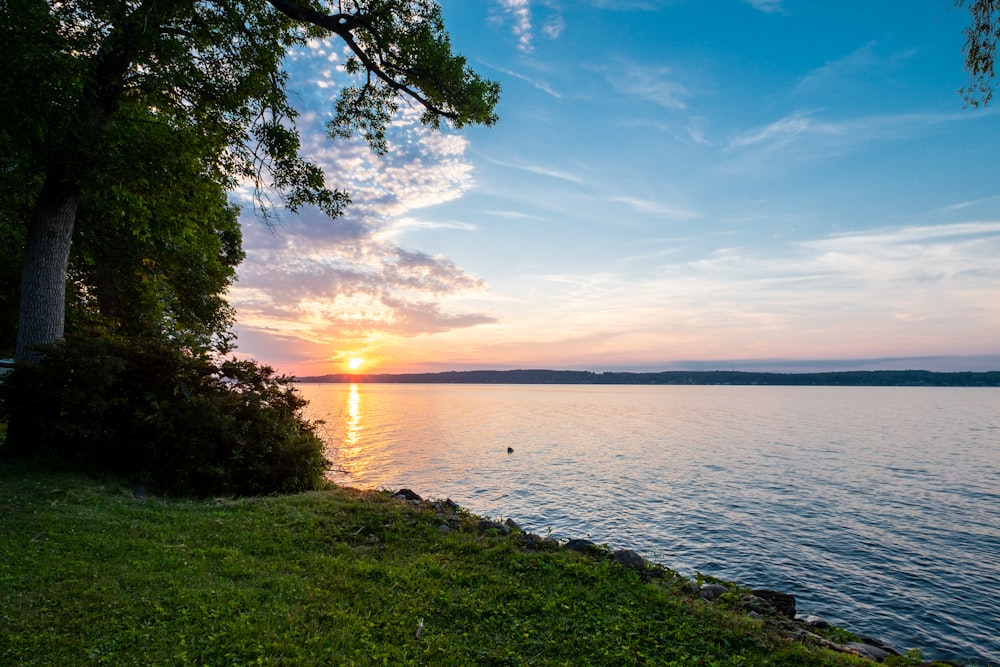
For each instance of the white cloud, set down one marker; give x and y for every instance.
(519, 12)
(520, 15)
(324, 285)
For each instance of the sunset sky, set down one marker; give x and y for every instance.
(749, 184)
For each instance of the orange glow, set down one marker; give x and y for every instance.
(354, 363)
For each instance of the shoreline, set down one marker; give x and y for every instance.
(775, 607)
(97, 572)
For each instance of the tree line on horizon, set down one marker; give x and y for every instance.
(912, 378)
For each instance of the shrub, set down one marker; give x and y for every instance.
(176, 420)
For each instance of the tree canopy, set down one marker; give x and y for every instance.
(126, 123)
(92, 86)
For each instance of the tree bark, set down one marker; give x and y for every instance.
(42, 313)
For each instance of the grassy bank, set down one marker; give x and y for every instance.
(91, 575)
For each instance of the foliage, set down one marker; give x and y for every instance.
(89, 80)
(336, 577)
(981, 37)
(163, 415)
(155, 252)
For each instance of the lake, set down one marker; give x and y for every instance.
(878, 507)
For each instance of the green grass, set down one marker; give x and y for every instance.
(90, 575)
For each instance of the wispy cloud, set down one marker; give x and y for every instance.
(537, 83)
(408, 223)
(651, 83)
(916, 286)
(657, 208)
(768, 6)
(786, 130)
(554, 27)
(858, 65)
(804, 136)
(543, 170)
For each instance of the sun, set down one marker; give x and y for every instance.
(354, 363)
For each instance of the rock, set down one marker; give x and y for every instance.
(866, 651)
(755, 605)
(513, 525)
(815, 622)
(407, 494)
(629, 558)
(451, 504)
(486, 526)
(878, 643)
(443, 529)
(783, 602)
(712, 591)
(583, 546)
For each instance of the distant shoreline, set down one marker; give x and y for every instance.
(913, 378)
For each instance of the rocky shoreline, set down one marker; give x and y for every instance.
(774, 608)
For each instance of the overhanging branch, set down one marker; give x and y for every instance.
(344, 25)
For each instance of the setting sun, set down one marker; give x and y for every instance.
(354, 363)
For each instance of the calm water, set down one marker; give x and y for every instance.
(879, 508)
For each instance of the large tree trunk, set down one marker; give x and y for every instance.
(46, 258)
(43, 297)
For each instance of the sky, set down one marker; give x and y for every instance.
(781, 185)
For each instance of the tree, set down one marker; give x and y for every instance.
(211, 70)
(154, 254)
(981, 37)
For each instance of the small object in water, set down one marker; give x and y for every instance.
(510, 450)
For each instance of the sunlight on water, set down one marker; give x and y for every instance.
(876, 507)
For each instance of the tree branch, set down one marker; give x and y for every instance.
(344, 25)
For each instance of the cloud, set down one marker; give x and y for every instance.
(657, 208)
(540, 85)
(554, 27)
(331, 286)
(906, 291)
(804, 136)
(650, 83)
(542, 170)
(519, 12)
(859, 65)
(767, 6)
(786, 130)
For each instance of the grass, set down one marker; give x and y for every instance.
(91, 575)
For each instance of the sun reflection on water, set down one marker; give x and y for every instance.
(353, 436)
(351, 451)
(357, 445)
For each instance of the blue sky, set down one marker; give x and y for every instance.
(759, 184)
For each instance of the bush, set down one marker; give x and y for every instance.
(179, 421)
